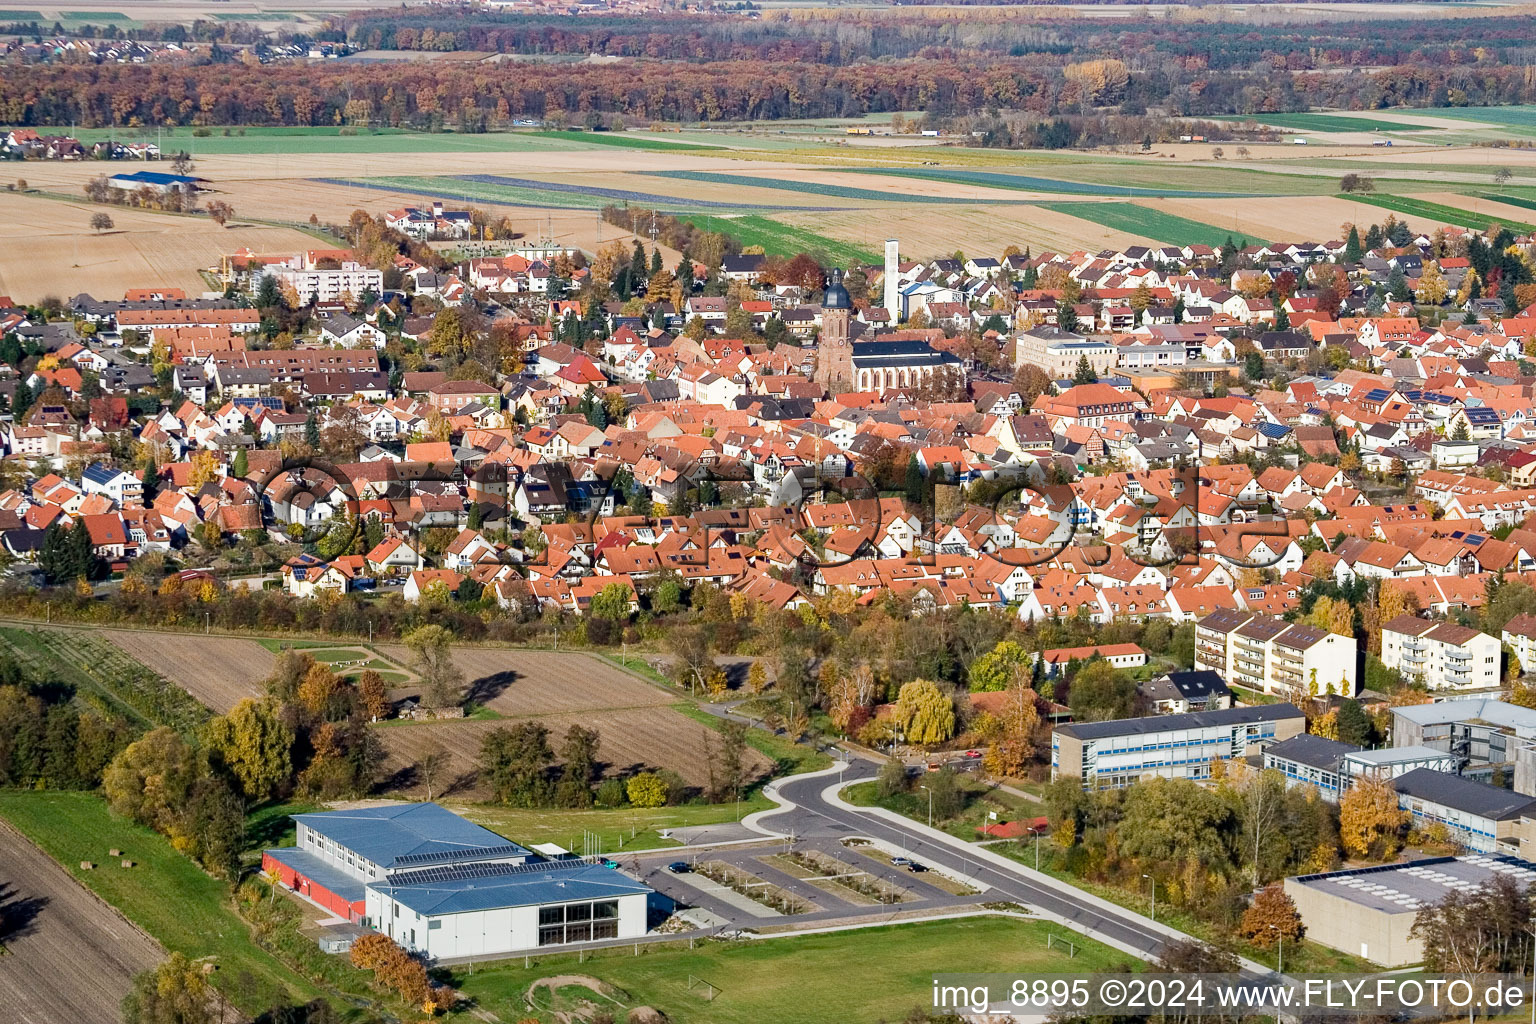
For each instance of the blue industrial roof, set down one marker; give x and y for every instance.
(319, 872)
(409, 835)
(531, 885)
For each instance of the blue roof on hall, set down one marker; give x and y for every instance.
(520, 887)
(319, 872)
(409, 835)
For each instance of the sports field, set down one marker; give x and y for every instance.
(864, 975)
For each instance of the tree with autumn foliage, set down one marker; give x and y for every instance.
(850, 692)
(1011, 752)
(254, 745)
(1370, 822)
(373, 695)
(318, 689)
(925, 712)
(1271, 917)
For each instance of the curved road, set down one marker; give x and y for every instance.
(816, 812)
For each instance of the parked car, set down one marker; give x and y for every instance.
(679, 867)
(916, 868)
(901, 862)
(610, 863)
(973, 753)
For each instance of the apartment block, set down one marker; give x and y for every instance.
(1273, 656)
(1108, 755)
(1441, 655)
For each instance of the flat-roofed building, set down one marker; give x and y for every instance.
(1484, 735)
(1108, 755)
(1312, 761)
(1475, 815)
(1369, 912)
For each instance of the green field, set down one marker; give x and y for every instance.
(1027, 183)
(1523, 116)
(95, 16)
(1147, 223)
(1523, 201)
(166, 894)
(638, 828)
(784, 239)
(811, 187)
(630, 141)
(19, 16)
(1439, 212)
(864, 975)
(1327, 122)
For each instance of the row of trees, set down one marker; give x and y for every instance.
(519, 765)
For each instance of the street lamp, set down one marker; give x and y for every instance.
(1153, 882)
(930, 805)
(1281, 935)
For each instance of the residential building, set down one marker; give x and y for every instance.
(1188, 690)
(1268, 654)
(1441, 655)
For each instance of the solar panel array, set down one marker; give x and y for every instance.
(439, 857)
(483, 869)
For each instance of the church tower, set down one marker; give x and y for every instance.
(834, 352)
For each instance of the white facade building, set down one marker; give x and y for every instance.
(1442, 655)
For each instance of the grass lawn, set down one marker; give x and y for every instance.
(165, 893)
(979, 800)
(790, 758)
(1440, 212)
(784, 239)
(1151, 224)
(619, 829)
(861, 975)
(1309, 958)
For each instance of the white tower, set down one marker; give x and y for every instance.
(892, 259)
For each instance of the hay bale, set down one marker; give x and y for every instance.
(115, 852)
(86, 865)
(127, 863)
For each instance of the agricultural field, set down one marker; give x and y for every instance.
(1440, 212)
(48, 248)
(1029, 183)
(806, 187)
(1148, 222)
(103, 676)
(1328, 122)
(1318, 218)
(783, 238)
(69, 957)
(631, 740)
(988, 229)
(522, 684)
(626, 140)
(881, 972)
(219, 671)
(164, 893)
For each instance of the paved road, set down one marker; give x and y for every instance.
(815, 816)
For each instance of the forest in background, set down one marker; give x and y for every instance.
(811, 64)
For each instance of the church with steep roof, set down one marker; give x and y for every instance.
(846, 364)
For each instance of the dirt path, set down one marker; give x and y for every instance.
(71, 957)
